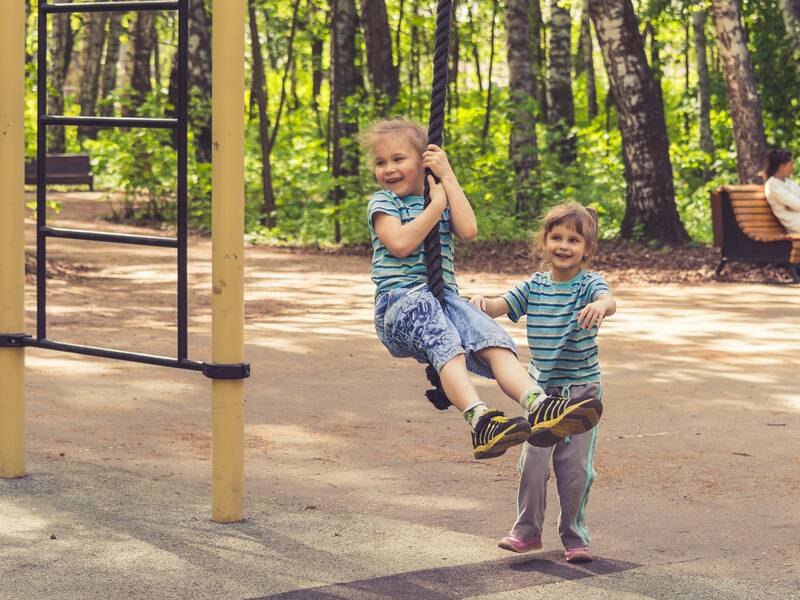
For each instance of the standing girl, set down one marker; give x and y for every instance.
(564, 306)
(410, 321)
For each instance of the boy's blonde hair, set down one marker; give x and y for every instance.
(582, 219)
(417, 135)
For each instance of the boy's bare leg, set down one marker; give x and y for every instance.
(457, 385)
(511, 376)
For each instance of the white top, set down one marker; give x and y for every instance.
(784, 200)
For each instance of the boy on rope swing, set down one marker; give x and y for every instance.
(459, 338)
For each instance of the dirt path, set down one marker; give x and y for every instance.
(699, 455)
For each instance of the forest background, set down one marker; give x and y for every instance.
(637, 109)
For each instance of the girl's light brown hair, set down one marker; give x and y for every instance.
(576, 216)
(417, 135)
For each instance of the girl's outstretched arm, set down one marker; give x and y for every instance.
(494, 307)
(462, 217)
(401, 240)
(593, 314)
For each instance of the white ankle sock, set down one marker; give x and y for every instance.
(474, 412)
(531, 398)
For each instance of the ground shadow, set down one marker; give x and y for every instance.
(462, 581)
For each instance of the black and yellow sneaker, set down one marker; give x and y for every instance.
(556, 417)
(495, 433)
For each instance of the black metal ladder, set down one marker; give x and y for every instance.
(180, 125)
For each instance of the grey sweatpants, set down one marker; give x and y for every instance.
(573, 465)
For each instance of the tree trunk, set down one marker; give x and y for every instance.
(487, 115)
(345, 85)
(748, 129)
(522, 85)
(108, 77)
(791, 19)
(199, 44)
(143, 39)
(476, 57)
(650, 211)
(655, 55)
(703, 89)
(452, 74)
(317, 72)
(538, 55)
(383, 74)
(268, 216)
(95, 34)
(60, 47)
(586, 61)
(559, 89)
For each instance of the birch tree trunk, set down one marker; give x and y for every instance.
(452, 98)
(260, 90)
(383, 74)
(537, 42)
(559, 89)
(703, 89)
(60, 47)
(141, 51)
(650, 210)
(108, 77)
(345, 84)
(487, 113)
(586, 62)
(95, 35)
(748, 128)
(473, 40)
(522, 84)
(791, 20)
(199, 45)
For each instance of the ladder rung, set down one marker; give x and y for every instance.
(109, 121)
(101, 236)
(109, 7)
(148, 359)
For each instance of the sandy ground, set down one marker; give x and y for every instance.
(356, 487)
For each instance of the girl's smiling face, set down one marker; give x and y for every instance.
(398, 165)
(564, 249)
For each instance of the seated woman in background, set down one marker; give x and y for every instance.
(783, 194)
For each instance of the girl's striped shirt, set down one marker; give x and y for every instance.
(388, 271)
(561, 352)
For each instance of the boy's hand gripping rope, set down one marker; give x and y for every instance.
(433, 242)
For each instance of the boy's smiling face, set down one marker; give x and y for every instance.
(398, 165)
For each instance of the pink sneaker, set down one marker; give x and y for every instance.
(517, 545)
(580, 554)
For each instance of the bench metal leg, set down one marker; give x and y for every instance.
(794, 270)
(719, 268)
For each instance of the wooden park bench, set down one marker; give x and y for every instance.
(746, 229)
(63, 168)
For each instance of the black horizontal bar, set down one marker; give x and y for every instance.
(102, 236)
(109, 121)
(108, 7)
(148, 359)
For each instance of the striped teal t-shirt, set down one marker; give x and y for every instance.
(561, 352)
(390, 272)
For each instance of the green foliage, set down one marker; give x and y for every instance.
(140, 163)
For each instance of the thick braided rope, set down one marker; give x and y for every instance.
(433, 242)
(441, 55)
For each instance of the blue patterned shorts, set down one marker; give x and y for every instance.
(411, 323)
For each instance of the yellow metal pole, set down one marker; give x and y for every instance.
(12, 236)
(227, 217)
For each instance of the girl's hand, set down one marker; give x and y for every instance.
(438, 195)
(479, 301)
(435, 159)
(592, 315)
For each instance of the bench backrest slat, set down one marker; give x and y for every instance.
(753, 214)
